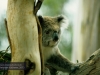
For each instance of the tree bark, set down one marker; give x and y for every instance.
(91, 66)
(87, 30)
(23, 35)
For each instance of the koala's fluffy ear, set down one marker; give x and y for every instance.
(62, 20)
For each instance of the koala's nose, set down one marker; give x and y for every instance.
(55, 37)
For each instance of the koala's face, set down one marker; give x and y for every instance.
(51, 30)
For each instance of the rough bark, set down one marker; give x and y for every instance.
(23, 36)
(91, 66)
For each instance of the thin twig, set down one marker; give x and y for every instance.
(5, 52)
(36, 8)
(38, 5)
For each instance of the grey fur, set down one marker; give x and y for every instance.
(53, 59)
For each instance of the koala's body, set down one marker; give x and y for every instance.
(51, 31)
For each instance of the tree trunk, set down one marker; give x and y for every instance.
(91, 66)
(87, 30)
(23, 36)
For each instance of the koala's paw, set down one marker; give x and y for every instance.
(75, 67)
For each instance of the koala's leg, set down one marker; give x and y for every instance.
(60, 63)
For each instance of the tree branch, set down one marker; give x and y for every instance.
(40, 44)
(91, 66)
(38, 5)
(36, 8)
(23, 33)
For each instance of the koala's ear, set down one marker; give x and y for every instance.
(62, 20)
(40, 19)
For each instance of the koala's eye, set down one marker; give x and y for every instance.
(47, 32)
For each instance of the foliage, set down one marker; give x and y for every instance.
(4, 57)
(52, 7)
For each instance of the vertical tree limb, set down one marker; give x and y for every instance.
(23, 34)
(37, 7)
(40, 45)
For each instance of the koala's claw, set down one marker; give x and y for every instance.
(74, 68)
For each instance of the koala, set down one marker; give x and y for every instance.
(53, 59)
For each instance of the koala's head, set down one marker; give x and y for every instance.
(51, 30)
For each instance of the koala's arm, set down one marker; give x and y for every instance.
(60, 63)
(46, 71)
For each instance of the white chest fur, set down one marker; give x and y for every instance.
(49, 51)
